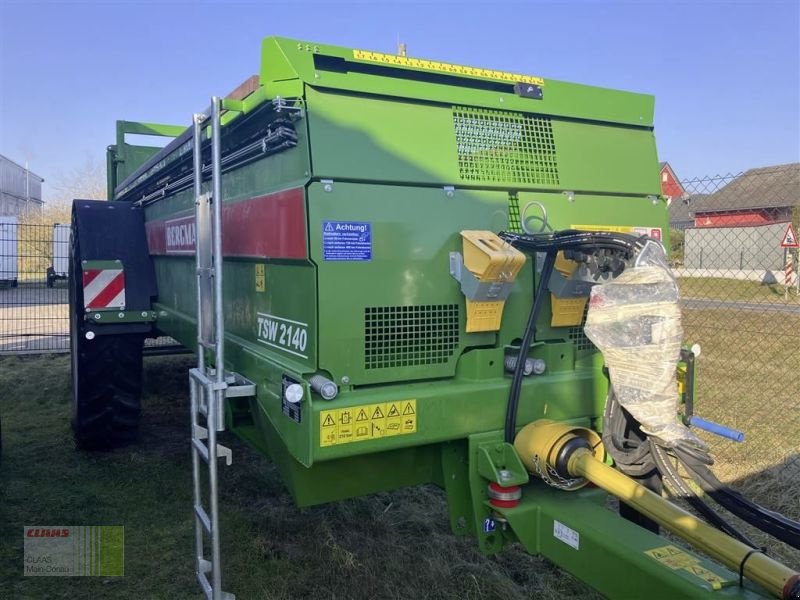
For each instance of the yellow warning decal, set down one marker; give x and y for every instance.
(261, 278)
(432, 65)
(367, 422)
(653, 232)
(710, 577)
(675, 558)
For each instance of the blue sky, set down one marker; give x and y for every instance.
(726, 75)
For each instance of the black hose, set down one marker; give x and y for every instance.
(530, 329)
(629, 453)
(639, 456)
(768, 521)
(676, 482)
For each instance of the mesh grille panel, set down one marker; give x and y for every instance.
(496, 145)
(578, 336)
(514, 222)
(404, 336)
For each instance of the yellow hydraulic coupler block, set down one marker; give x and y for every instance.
(492, 265)
(569, 452)
(567, 312)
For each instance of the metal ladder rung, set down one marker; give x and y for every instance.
(202, 449)
(222, 452)
(204, 518)
(203, 567)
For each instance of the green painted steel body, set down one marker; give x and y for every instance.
(418, 154)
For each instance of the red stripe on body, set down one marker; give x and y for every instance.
(270, 226)
(109, 292)
(156, 237)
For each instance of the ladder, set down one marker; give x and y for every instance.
(209, 384)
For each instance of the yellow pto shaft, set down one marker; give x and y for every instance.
(537, 442)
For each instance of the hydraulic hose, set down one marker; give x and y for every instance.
(636, 458)
(677, 485)
(770, 522)
(530, 329)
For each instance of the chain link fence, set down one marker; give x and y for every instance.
(740, 302)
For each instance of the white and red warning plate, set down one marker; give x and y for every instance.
(103, 289)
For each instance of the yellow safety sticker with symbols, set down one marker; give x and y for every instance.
(653, 232)
(261, 278)
(367, 422)
(432, 65)
(675, 558)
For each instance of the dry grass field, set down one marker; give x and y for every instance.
(391, 545)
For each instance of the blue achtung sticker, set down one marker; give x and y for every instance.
(346, 241)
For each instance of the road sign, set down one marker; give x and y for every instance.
(790, 238)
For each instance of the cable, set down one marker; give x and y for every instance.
(770, 522)
(675, 481)
(637, 455)
(512, 406)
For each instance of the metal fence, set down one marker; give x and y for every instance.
(34, 297)
(33, 288)
(742, 307)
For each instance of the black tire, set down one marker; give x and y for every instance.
(106, 375)
(51, 275)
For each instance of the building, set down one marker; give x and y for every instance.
(20, 189)
(677, 198)
(670, 185)
(737, 229)
(756, 197)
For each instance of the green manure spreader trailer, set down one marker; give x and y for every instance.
(397, 271)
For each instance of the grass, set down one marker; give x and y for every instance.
(392, 545)
(735, 290)
(747, 379)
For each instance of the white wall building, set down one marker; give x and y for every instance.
(20, 189)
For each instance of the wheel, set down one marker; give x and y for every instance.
(51, 276)
(106, 375)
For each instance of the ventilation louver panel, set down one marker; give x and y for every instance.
(504, 146)
(405, 336)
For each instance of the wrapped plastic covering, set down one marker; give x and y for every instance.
(635, 321)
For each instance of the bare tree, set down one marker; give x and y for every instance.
(35, 234)
(87, 181)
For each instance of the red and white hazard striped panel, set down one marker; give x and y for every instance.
(103, 288)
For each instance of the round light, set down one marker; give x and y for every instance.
(89, 335)
(293, 393)
(696, 350)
